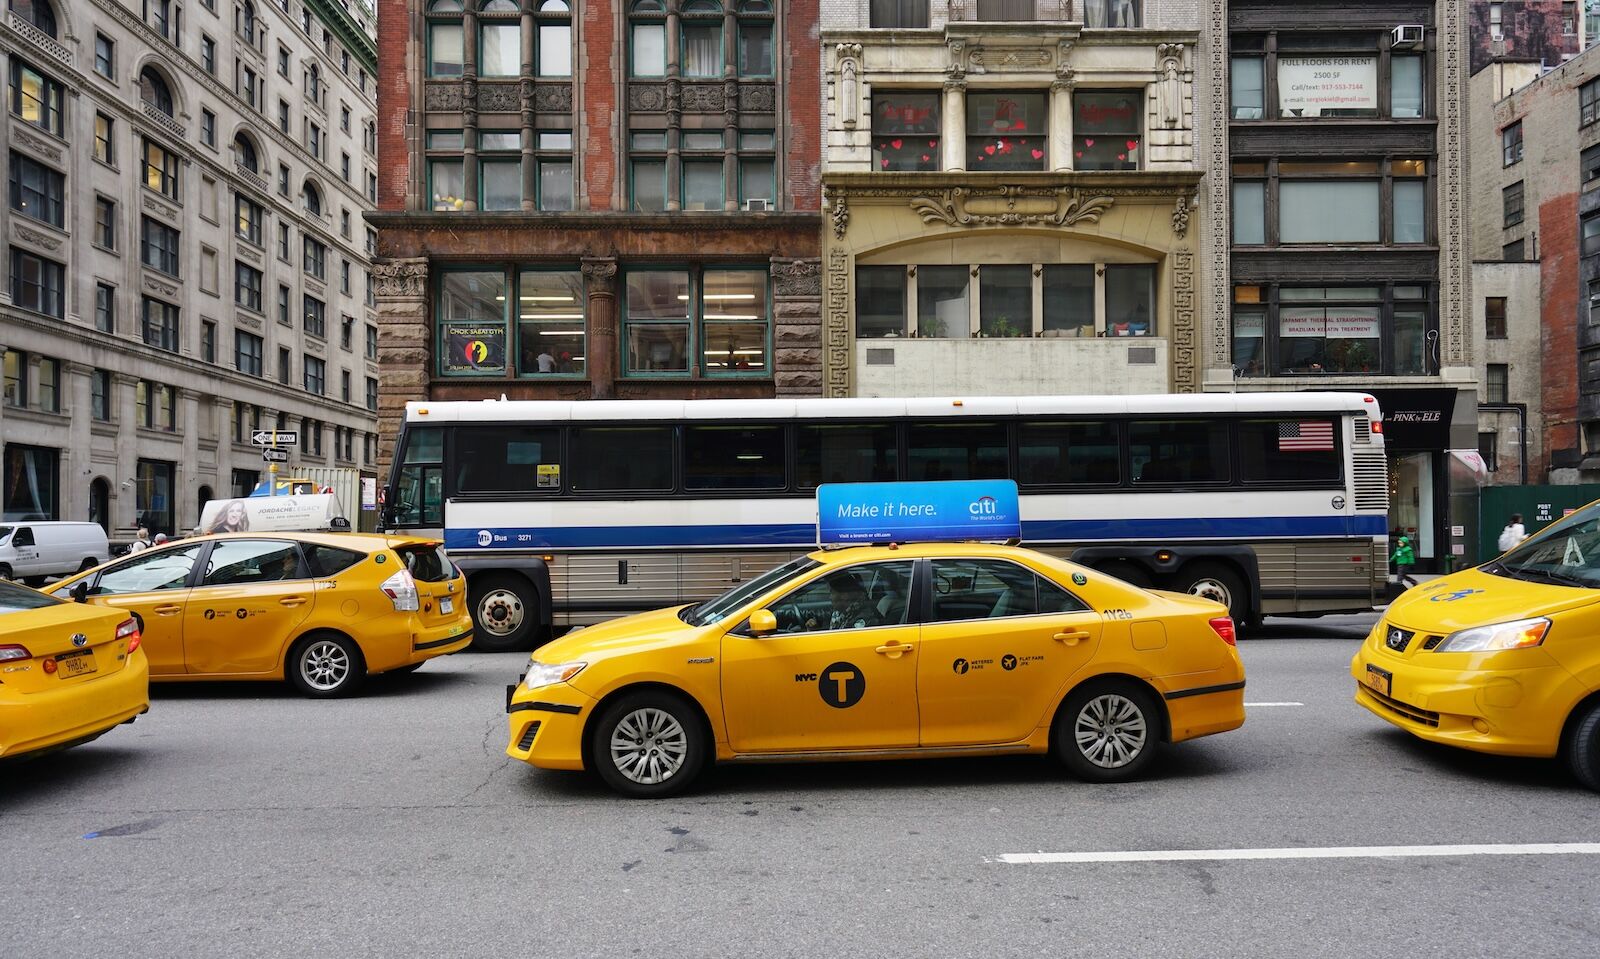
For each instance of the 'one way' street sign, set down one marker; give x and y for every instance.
(273, 454)
(275, 437)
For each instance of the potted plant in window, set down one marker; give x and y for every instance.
(1004, 327)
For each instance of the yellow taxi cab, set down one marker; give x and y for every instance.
(873, 652)
(68, 673)
(323, 610)
(1502, 658)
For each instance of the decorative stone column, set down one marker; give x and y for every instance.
(186, 481)
(125, 510)
(954, 145)
(405, 348)
(600, 286)
(79, 469)
(797, 326)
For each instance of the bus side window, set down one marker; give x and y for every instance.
(419, 492)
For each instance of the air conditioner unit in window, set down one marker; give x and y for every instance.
(1406, 36)
(758, 206)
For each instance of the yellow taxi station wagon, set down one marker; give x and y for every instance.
(1504, 658)
(322, 610)
(888, 651)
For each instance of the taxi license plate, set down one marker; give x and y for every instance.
(1380, 680)
(447, 606)
(75, 664)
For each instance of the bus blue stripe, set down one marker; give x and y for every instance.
(804, 534)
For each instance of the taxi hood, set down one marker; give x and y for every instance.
(1475, 598)
(617, 635)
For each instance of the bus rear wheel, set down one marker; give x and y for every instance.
(505, 613)
(1218, 583)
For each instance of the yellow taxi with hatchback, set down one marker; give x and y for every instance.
(1502, 658)
(886, 651)
(68, 673)
(323, 610)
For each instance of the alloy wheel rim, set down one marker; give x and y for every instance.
(649, 746)
(325, 665)
(1110, 731)
(500, 613)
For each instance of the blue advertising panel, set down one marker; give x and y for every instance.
(917, 512)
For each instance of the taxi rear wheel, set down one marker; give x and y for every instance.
(325, 666)
(648, 744)
(1108, 731)
(1583, 748)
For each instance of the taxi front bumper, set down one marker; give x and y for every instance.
(30, 722)
(546, 725)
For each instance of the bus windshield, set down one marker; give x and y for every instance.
(716, 610)
(1566, 554)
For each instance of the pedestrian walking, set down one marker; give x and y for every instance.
(1402, 559)
(141, 542)
(1513, 534)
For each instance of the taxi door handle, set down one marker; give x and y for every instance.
(292, 601)
(1073, 637)
(168, 610)
(894, 652)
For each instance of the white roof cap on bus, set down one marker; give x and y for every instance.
(1278, 402)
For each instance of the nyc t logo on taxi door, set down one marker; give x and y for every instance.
(842, 685)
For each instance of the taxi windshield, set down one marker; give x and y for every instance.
(1566, 554)
(716, 610)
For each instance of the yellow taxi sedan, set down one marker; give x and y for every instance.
(68, 673)
(323, 610)
(872, 652)
(1502, 658)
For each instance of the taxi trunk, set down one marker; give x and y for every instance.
(67, 646)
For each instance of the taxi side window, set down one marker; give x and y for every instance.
(1054, 599)
(857, 597)
(330, 560)
(982, 589)
(166, 569)
(242, 562)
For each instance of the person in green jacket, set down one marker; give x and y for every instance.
(1403, 558)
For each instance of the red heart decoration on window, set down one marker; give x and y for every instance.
(1133, 145)
(886, 164)
(1023, 141)
(1038, 154)
(1005, 147)
(1019, 125)
(980, 158)
(1088, 141)
(924, 158)
(933, 143)
(1122, 156)
(896, 144)
(989, 149)
(1079, 154)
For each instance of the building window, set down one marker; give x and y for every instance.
(105, 56)
(553, 154)
(344, 277)
(648, 38)
(472, 311)
(1107, 132)
(208, 127)
(1290, 331)
(247, 286)
(701, 29)
(105, 308)
(245, 22)
(1497, 375)
(38, 284)
(1246, 89)
(160, 169)
(372, 342)
(100, 395)
(701, 186)
(903, 14)
(1569, 18)
(500, 170)
(1329, 202)
(283, 124)
(153, 406)
(372, 393)
(316, 316)
(247, 219)
(208, 54)
(1006, 131)
(648, 170)
(1004, 306)
(446, 172)
(32, 488)
(315, 373)
(283, 179)
(758, 187)
(49, 385)
(1589, 164)
(1334, 80)
(1514, 252)
(105, 222)
(1511, 204)
(347, 332)
(153, 90)
(314, 140)
(755, 38)
(35, 98)
(285, 365)
(283, 62)
(706, 322)
(1494, 317)
(158, 324)
(344, 386)
(905, 130)
(1511, 144)
(1589, 227)
(499, 39)
(283, 306)
(314, 84)
(208, 341)
(550, 323)
(1109, 13)
(37, 191)
(250, 87)
(104, 147)
(158, 246)
(316, 258)
(16, 379)
(283, 242)
(553, 23)
(1488, 448)
(1589, 102)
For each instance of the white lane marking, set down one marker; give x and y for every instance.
(1253, 705)
(1309, 852)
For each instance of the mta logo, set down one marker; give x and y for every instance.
(1452, 597)
(485, 537)
(985, 506)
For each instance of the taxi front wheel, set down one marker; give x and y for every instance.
(648, 745)
(1108, 731)
(1583, 748)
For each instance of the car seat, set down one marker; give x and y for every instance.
(1002, 606)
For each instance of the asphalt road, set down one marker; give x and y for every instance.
(243, 821)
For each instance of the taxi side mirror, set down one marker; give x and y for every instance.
(763, 622)
(80, 592)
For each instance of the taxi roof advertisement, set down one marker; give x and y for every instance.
(855, 513)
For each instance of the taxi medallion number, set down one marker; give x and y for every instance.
(75, 664)
(1380, 680)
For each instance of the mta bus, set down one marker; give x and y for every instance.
(568, 513)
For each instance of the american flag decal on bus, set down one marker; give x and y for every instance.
(1305, 435)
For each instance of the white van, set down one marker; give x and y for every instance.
(33, 551)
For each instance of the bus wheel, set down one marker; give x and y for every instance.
(1219, 584)
(505, 611)
(1130, 573)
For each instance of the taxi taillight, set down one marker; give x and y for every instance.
(1223, 627)
(13, 652)
(129, 630)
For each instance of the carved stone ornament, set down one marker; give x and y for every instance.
(1009, 59)
(442, 97)
(956, 69)
(1169, 89)
(797, 278)
(155, 206)
(499, 98)
(400, 279)
(757, 98)
(247, 254)
(1180, 217)
(647, 97)
(153, 285)
(840, 214)
(702, 98)
(600, 273)
(951, 207)
(36, 238)
(37, 144)
(553, 98)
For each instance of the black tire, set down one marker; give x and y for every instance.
(1582, 747)
(505, 613)
(1130, 573)
(1127, 709)
(5, 572)
(649, 713)
(326, 666)
(1218, 582)
(89, 562)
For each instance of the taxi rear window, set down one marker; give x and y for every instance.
(330, 560)
(428, 563)
(16, 599)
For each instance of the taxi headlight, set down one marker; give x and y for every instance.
(1518, 634)
(548, 674)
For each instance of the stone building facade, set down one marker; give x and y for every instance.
(1010, 198)
(186, 254)
(611, 199)
(1537, 31)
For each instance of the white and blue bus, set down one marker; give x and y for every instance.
(567, 513)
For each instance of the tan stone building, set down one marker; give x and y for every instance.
(1009, 204)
